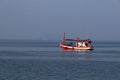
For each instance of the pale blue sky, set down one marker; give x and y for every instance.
(49, 19)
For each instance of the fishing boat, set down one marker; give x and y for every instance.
(75, 44)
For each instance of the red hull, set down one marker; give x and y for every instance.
(75, 47)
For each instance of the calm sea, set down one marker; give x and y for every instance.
(44, 60)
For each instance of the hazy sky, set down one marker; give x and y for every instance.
(49, 19)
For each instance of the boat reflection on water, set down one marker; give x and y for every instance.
(75, 51)
(77, 55)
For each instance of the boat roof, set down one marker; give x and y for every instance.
(76, 40)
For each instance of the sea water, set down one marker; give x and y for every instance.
(45, 60)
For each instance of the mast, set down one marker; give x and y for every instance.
(64, 38)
